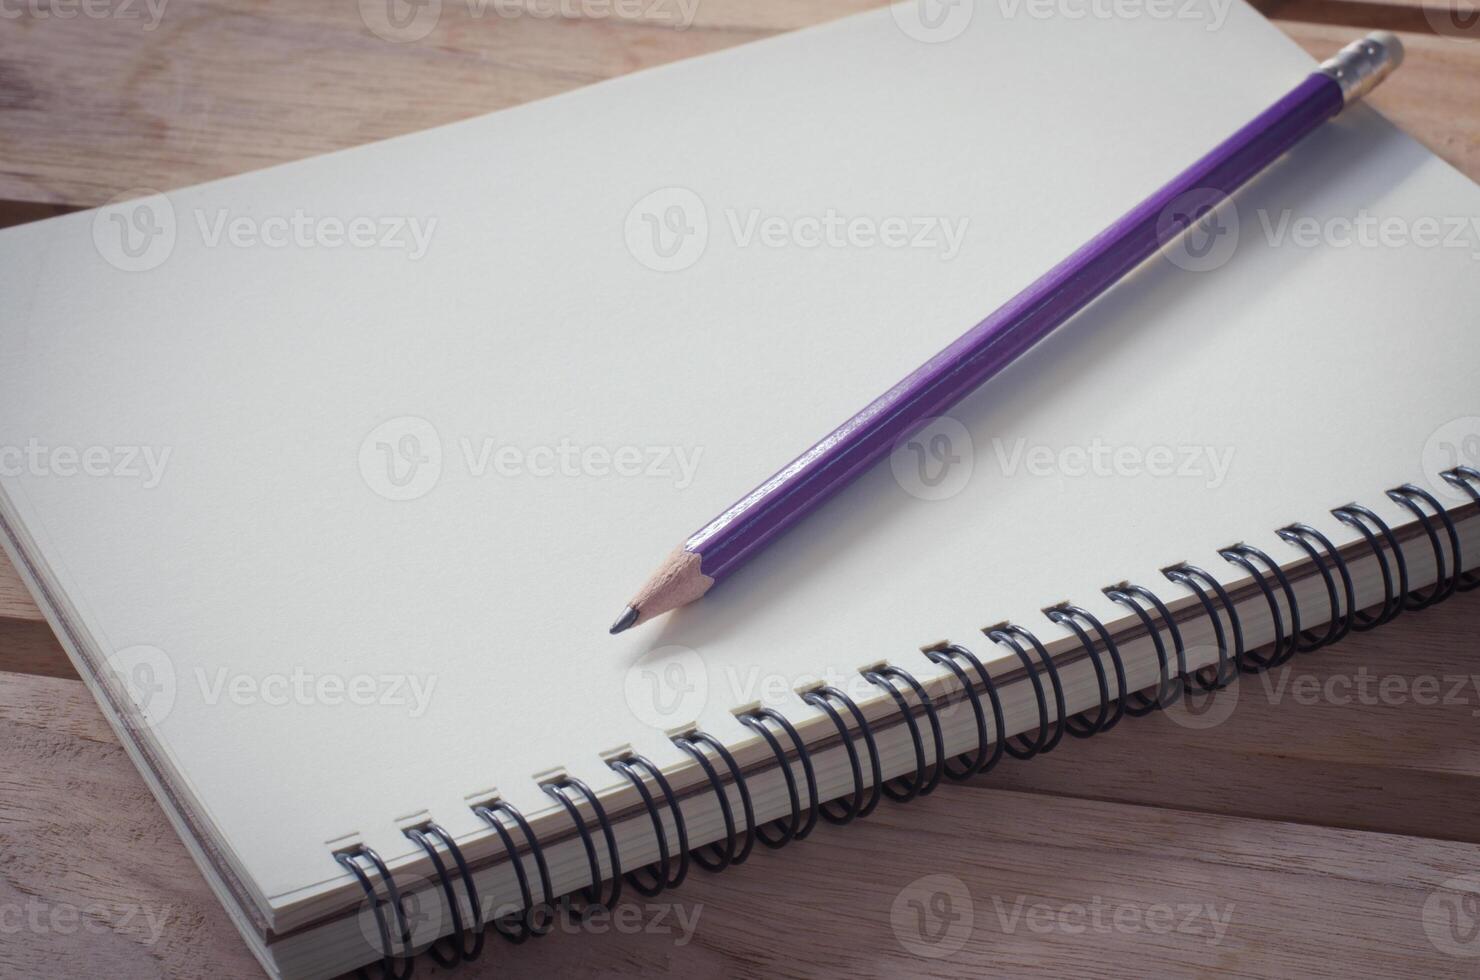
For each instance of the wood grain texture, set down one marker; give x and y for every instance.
(15, 601)
(95, 882)
(1454, 20)
(27, 644)
(1323, 829)
(1058, 869)
(32, 648)
(96, 107)
(1434, 96)
(1336, 737)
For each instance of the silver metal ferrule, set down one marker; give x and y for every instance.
(1361, 65)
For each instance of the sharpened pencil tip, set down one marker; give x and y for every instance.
(624, 621)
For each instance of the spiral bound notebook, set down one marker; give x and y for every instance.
(332, 525)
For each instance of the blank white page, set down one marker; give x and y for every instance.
(271, 545)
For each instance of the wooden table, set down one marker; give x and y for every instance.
(1307, 833)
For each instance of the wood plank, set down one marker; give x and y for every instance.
(32, 648)
(90, 868)
(1455, 20)
(98, 884)
(15, 600)
(1432, 97)
(1332, 738)
(1377, 732)
(27, 644)
(95, 882)
(20, 212)
(93, 108)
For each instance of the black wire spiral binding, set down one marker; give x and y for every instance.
(1280, 650)
(1169, 689)
(848, 812)
(1339, 624)
(800, 825)
(1107, 717)
(633, 767)
(925, 778)
(1199, 581)
(1021, 746)
(1359, 517)
(388, 967)
(1465, 478)
(855, 733)
(461, 952)
(1408, 497)
(720, 855)
(592, 893)
(527, 923)
(984, 760)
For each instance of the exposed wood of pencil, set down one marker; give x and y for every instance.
(677, 582)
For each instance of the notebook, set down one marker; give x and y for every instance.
(331, 476)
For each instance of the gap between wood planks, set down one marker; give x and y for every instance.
(1299, 744)
(192, 101)
(70, 791)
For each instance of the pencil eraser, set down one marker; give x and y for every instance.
(1390, 43)
(1360, 66)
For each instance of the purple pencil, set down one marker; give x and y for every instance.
(715, 551)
